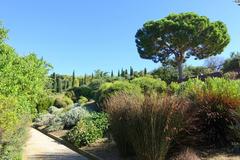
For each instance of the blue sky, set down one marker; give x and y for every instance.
(93, 34)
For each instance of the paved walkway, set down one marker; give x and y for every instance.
(41, 147)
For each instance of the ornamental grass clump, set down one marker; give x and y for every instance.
(117, 107)
(146, 125)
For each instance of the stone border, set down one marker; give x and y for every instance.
(69, 145)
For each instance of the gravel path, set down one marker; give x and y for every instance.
(41, 147)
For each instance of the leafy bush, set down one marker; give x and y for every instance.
(62, 102)
(173, 88)
(100, 120)
(149, 125)
(44, 103)
(232, 63)
(108, 89)
(95, 84)
(191, 87)
(149, 84)
(216, 105)
(82, 100)
(88, 129)
(76, 92)
(13, 122)
(23, 82)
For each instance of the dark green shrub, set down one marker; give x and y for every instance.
(147, 126)
(233, 63)
(62, 102)
(149, 84)
(95, 85)
(76, 92)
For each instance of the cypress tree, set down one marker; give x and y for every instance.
(73, 79)
(54, 82)
(85, 79)
(131, 71)
(126, 72)
(145, 71)
(112, 74)
(122, 73)
(59, 85)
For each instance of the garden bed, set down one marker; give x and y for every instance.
(102, 148)
(107, 150)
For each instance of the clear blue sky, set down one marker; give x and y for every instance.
(99, 34)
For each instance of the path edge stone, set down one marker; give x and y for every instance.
(70, 146)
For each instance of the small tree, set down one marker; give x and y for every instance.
(131, 72)
(54, 78)
(59, 85)
(112, 74)
(145, 71)
(175, 38)
(122, 73)
(73, 79)
(233, 63)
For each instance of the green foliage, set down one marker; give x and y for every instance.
(82, 100)
(180, 36)
(232, 63)
(108, 89)
(23, 82)
(95, 84)
(62, 102)
(149, 84)
(76, 92)
(13, 122)
(100, 120)
(88, 130)
(59, 85)
(73, 79)
(84, 133)
(166, 73)
(194, 71)
(44, 103)
(191, 87)
(173, 88)
(3, 33)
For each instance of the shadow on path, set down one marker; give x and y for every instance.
(55, 157)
